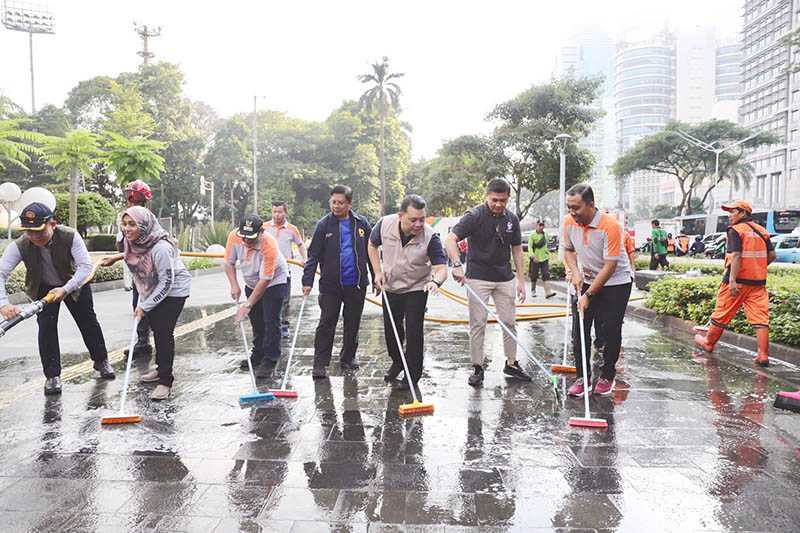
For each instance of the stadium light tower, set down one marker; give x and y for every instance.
(30, 18)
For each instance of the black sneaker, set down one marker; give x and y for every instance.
(140, 350)
(476, 379)
(265, 369)
(104, 367)
(515, 371)
(52, 386)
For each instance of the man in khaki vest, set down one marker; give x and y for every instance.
(414, 265)
(56, 262)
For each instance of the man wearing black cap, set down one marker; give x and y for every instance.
(57, 263)
(264, 270)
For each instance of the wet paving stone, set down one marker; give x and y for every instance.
(692, 445)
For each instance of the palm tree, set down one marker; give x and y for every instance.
(72, 156)
(385, 96)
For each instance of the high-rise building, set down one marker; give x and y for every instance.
(728, 79)
(644, 95)
(590, 54)
(770, 101)
(695, 61)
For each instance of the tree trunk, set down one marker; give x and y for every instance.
(73, 199)
(518, 196)
(382, 171)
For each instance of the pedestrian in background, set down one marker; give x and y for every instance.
(286, 235)
(539, 260)
(658, 252)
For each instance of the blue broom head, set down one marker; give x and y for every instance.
(256, 398)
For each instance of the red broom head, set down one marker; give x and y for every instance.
(281, 393)
(578, 421)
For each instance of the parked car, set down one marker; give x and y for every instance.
(787, 248)
(711, 237)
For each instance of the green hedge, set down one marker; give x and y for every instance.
(693, 299)
(102, 243)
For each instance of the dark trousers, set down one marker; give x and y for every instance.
(330, 305)
(82, 310)
(143, 329)
(408, 310)
(265, 319)
(537, 267)
(606, 310)
(163, 318)
(657, 260)
(285, 307)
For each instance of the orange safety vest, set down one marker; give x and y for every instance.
(753, 270)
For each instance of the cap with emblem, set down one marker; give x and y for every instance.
(35, 217)
(738, 204)
(250, 227)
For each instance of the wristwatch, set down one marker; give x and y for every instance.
(247, 305)
(437, 283)
(457, 264)
(589, 295)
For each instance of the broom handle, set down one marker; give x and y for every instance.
(411, 385)
(583, 357)
(508, 332)
(567, 319)
(127, 379)
(247, 355)
(294, 343)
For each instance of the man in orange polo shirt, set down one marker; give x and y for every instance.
(748, 252)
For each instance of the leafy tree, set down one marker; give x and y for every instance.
(383, 96)
(72, 156)
(527, 126)
(127, 117)
(92, 210)
(666, 152)
(133, 158)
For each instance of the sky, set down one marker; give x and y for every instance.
(460, 58)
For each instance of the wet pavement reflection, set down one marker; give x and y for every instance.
(693, 444)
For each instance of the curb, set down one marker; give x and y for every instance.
(788, 354)
(103, 286)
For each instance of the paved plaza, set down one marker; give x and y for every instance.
(693, 443)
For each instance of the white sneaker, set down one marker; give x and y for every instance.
(150, 377)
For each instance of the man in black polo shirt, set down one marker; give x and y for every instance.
(493, 235)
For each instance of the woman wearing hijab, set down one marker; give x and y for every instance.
(163, 284)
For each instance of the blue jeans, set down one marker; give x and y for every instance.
(265, 319)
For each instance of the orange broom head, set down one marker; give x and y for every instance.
(415, 409)
(284, 393)
(581, 422)
(130, 419)
(563, 369)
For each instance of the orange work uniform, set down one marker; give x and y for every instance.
(753, 242)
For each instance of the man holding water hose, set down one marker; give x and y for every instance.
(604, 278)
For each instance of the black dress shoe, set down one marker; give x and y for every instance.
(348, 365)
(140, 350)
(254, 362)
(52, 386)
(104, 367)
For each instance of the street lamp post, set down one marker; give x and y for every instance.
(208, 185)
(710, 148)
(562, 139)
(21, 16)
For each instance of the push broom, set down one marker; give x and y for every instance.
(586, 421)
(256, 397)
(416, 407)
(121, 417)
(564, 368)
(789, 401)
(283, 392)
(553, 379)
